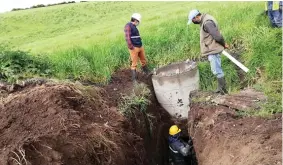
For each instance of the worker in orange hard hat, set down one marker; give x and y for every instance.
(181, 148)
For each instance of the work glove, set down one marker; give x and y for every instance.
(226, 46)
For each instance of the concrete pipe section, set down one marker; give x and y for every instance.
(173, 84)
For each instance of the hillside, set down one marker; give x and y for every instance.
(67, 97)
(85, 41)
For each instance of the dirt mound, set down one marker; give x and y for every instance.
(75, 125)
(60, 124)
(223, 138)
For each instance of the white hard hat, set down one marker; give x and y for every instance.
(192, 14)
(137, 16)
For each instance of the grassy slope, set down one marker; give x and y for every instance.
(86, 40)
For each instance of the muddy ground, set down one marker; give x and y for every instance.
(52, 124)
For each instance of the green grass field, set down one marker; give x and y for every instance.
(85, 41)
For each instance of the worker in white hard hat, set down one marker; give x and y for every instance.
(135, 46)
(212, 44)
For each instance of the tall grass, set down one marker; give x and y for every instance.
(86, 41)
(17, 65)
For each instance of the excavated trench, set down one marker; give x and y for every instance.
(52, 123)
(220, 135)
(155, 135)
(63, 124)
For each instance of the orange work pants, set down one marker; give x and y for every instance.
(136, 54)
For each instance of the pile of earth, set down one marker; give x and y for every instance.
(223, 137)
(65, 124)
(72, 124)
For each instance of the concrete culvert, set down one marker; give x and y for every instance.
(156, 144)
(220, 135)
(173, 84)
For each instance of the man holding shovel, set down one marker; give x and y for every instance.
(211, 44)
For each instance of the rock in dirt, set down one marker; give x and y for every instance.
(244, 100)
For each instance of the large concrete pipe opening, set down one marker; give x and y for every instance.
(173, 84)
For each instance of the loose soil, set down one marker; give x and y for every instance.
(59, 124)
(223, 138)
(67, 124)
(52, 124)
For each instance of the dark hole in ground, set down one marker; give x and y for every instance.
(157, 146)
(221, 137)
(155, 142)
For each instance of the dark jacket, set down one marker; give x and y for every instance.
(132, 36)
(182, 151)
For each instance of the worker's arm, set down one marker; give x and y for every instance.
(183, 148)
(127, 31)
(211, 28)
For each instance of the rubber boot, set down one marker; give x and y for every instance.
(145, 70)
(222, 86)
(218, 90)
(134, 76)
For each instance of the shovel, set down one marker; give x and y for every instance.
(240, 65)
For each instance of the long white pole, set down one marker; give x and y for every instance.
(235, 61)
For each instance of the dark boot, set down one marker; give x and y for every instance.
(218, 90)
(145, 70)
(222, 86)
(134, 76)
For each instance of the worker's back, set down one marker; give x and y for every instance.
(182, 151)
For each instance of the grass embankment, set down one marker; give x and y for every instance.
(85, 41)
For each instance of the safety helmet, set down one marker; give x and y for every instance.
(137, 16)
(174, 129)
(192, 14)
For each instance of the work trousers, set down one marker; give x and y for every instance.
(137, 54)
